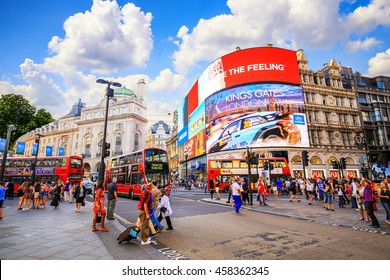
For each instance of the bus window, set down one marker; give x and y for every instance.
(243, 164)
(215, 164)
(139, 158)
(49, 162)
(121, 179)
(227, 164)
(76, 163)
(136, 178)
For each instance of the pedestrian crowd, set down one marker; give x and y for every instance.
(36, 196)
(153, 207)
(361, 194)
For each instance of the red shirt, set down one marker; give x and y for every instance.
(261, 187)
(145, 198)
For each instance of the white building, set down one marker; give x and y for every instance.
(159, 130)
(81, 130)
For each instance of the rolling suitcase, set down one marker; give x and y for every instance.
(129, 234)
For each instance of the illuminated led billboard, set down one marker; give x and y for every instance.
(260, 115)
(249, 97)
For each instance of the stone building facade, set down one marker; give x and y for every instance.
(333, 118)
(81, 130)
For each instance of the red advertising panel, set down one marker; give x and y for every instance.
(249, 66)
(193, 98)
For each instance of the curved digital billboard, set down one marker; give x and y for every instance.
(250, 97)
(259, 115)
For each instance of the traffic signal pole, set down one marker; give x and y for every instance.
(248, 160)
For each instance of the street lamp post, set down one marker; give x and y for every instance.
(361, 143)
(186, 156)
(105, 146)
(9, 131)
(37, 140)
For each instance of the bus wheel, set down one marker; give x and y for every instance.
(226, 190)
(131, 194)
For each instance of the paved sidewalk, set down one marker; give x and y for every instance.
(345, 217)
(63, 234)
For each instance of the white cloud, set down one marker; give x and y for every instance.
(104, 39)
(367, 18)
(361, 45)
(285, 23)
(379, 65)
(309, 24)
(165, 82)
(41, 90)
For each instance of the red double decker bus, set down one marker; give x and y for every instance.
(224, 169)
(138, 168)
(19, 169)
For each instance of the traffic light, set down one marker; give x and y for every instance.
(265, 164)
(305, 158)
(255, 159)
(107, 149)
(343, 163)
(271, 166)
(249, 158)
(110, 92)
(335, 164)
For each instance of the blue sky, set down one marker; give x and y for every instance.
(53, 51)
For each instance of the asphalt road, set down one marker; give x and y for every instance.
(209, 231)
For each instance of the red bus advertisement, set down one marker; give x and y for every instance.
(138, 168)
(19, 169)
(224, 169)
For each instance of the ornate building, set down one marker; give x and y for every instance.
(374, 100)
(172, 148)
(81, 130)
(332, 113)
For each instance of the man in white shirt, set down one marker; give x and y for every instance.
(236, 194)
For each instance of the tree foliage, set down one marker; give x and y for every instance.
(16, 110)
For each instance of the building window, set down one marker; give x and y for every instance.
(380, 84)
(381, 136)
(362, 98)
(136, 142)
(376, 115)
(118, 144)
(351, 102)
(385, 114)
(366, 116)
(88, 146)
(96, 115)
(124, 110)
(381, 98)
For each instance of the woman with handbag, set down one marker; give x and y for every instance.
(98, 208)
(165, 209)
(79, 195)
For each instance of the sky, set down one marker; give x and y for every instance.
(52, 52)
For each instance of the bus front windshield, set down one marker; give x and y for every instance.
(155, 155)
(160, 178)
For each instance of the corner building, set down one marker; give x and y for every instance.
(266, 100)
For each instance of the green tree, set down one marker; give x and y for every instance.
(41, 118)
(17, 110)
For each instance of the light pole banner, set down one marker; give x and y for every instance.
(35, 150)
(2, 145)
(61, 151)
(49, 151)
(20, 148)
